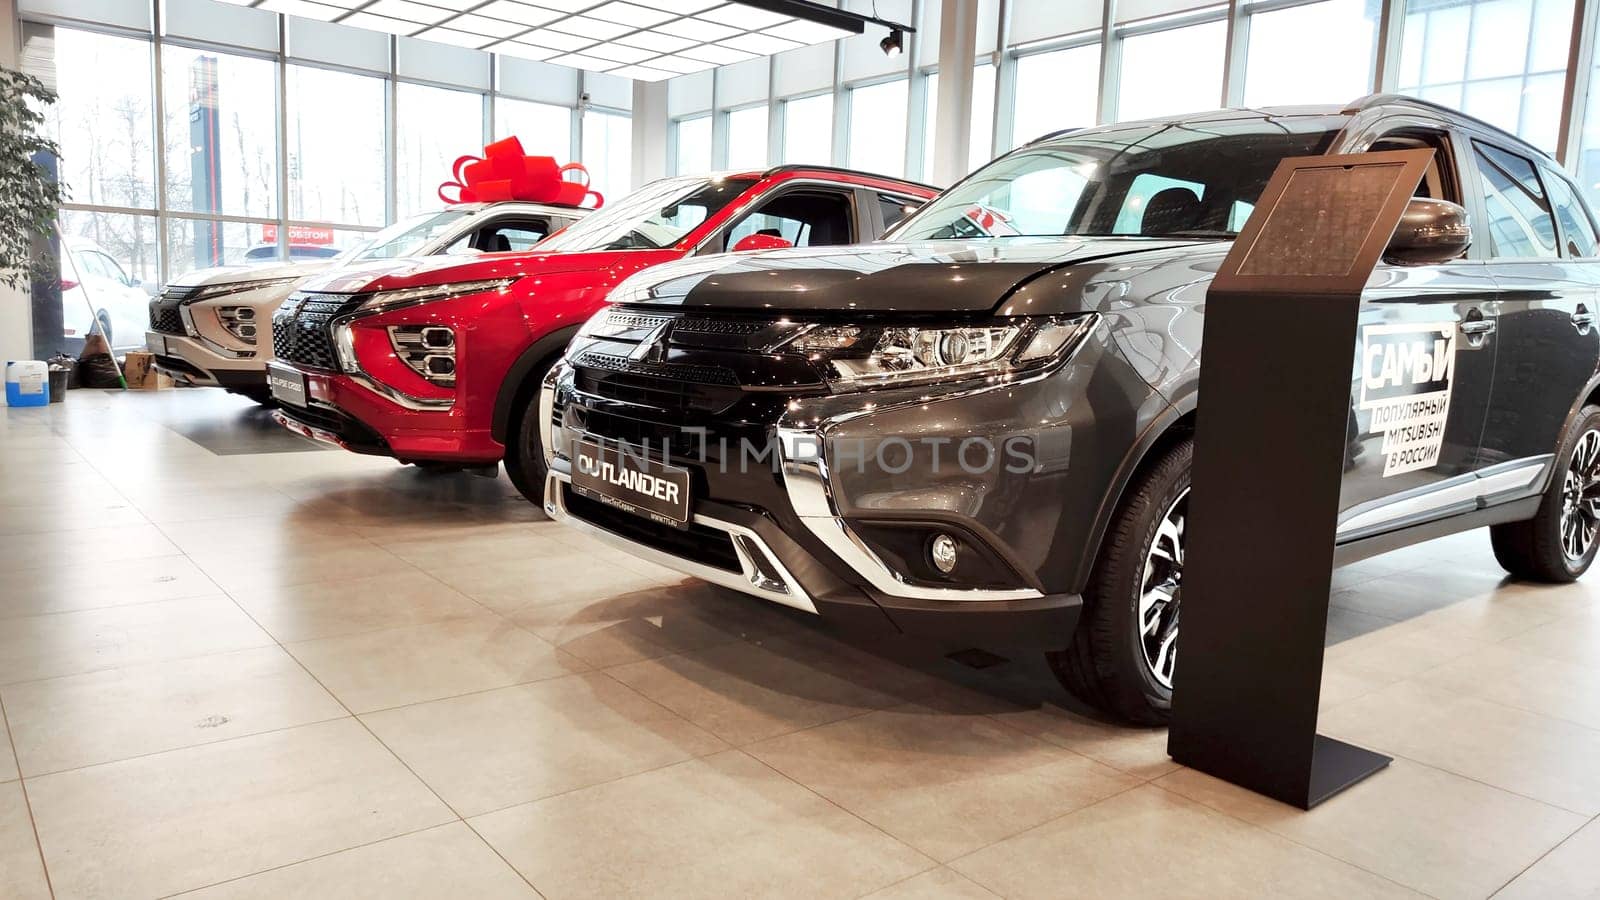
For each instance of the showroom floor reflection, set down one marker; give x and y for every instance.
(227, 664)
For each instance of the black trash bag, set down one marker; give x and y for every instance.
(96, 368)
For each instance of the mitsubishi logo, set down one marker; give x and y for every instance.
(653, 348)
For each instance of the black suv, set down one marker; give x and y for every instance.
(980, 429)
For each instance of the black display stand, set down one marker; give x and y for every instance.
(1280, 332)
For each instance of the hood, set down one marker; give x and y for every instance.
(237, 274)
(924, 277)
(384, 275)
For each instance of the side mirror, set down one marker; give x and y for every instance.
(1430, 232)
(760, 241)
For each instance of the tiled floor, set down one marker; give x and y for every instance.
(234, 667)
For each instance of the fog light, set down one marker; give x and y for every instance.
(942, 550)
(430, 351)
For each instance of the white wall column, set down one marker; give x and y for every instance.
(651, 124)
(952, 130)
(16, 314)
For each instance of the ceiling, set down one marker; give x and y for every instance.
(646, 40)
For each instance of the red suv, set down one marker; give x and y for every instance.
(438, 362)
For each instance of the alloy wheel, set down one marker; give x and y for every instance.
(1580, 498)
(1161, 591)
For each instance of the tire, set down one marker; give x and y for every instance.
(1558, 544)
(1110, 663)
(525, 445)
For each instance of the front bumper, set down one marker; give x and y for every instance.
(782, 536)
(191, 361)
(349, 412)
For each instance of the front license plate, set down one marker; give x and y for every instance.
(287, 385)
(156, 343)
(631, 482)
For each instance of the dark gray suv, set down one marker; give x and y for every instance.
(980, 429)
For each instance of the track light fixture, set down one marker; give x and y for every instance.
(894, 44)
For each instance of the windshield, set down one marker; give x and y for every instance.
(405, 237)
(657, 215)
(1176, 180)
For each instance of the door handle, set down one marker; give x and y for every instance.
(1477, 327)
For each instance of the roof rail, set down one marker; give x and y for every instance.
(802, 167)
(1361, 104)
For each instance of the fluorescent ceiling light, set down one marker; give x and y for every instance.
(655, 40)
(619, 52)
(511, 11)
(599, 29)
(761, 44)
(697, 29)
(712, 53)
(458, 38)
(556, 40)
(342, 4)
(303, 9)
(381, 23)
(681, 7)
(408, 11)
(587, 63)
(744, 17)
(456, 5)
(681, 64)
(521, 50)
(807, 32)
(641, 73)
(629, 14)
(485, 25)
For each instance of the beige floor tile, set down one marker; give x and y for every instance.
(1547, 759)
(82, 548)
(945, 784)
(524, 542)
(51, 518)
(8, 759)
(69, 643)
(743, 691)
(1573, 639)
(724, 826)
(81, 720)
(1425, 828)
(396, 666)
(1571, 870)
(317, 558)
(342, 606)
(1400, 651)
(509, 585)
(494, 749)
(1151, 843)
(934, 884)
(265, 535)
(21, 870)
(649, 623)
(37, 591)
(447, 861)
(1551, 687)
(190, 818)
(1141, 752)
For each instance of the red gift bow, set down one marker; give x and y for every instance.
(504, 172)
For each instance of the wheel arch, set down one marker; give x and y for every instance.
(1174, 424)
(518, 383)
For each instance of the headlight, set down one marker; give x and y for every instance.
(212, 291)
(857, 357)
(431, 292)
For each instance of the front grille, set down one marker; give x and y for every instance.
(165, 318)
(637, 433)
(697, 543)
(668, 387)
(301, 332)
(702, 325)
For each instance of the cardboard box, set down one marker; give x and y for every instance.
(139, 369)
